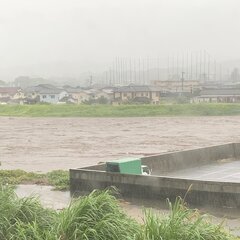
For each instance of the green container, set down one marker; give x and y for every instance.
(125, 166)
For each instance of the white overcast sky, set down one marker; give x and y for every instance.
(96, 31)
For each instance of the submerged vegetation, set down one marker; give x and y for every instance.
(57, 178)
(204, 109)
(98, 216)
(181, 223)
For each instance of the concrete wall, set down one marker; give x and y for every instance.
(156, 187)
(159, 187)
(168, 162)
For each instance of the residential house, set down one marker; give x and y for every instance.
(85, 95)
(46, 93)
(137, 93)
(78, 94)
(106, 94)
(67, 99)
(226, 95)
(52, 95)
(12, 92)
(7, 94)
(188, 86)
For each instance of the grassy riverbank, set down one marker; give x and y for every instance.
(59, 179)
(98, 216)
(120, 111)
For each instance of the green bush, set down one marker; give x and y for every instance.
(57, 178)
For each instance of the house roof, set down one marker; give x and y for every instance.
(220, 92)
(137, 88)
(74, 90)
(9, 90)
(51, 91)
(44, 89)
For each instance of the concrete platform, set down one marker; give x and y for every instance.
(205, 176)
(221, 171)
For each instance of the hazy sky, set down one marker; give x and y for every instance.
(94, 32)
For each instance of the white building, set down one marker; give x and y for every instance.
(52, 95)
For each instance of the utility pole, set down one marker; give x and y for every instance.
(90, 80)
(177, 66)
(139, 71)
(110, 77)
(215, 70)
(182, 79)
(143, 70)
(197, 77)
(130, 70)
(135, 71)
(191, 71)
(168, 70)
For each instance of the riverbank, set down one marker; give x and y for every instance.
(132, 207)
(99, 216)
(206, 109)
(59, 179)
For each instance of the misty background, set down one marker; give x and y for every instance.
(69, 40)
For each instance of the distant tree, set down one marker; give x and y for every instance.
(100, 100)
(140, 100)
(25, 81)
(22, 81)
(182, 99)
(235, 75)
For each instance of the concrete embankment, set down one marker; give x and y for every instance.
(160, 185)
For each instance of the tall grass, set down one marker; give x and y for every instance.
(57, 178)
(23, 218)
(96, 216)
(206, 109)
(181, 223)
(99, 217)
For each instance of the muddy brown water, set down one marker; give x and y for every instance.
(45, 144)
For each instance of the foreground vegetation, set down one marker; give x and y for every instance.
(120, 111)
(99, 217)
(57, 178)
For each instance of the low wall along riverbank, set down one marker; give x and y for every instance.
(200, 180)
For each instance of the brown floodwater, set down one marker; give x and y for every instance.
(45, 144)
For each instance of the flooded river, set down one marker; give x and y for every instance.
(45, 144)
(133, 207)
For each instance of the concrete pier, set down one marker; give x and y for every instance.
(203, 176)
